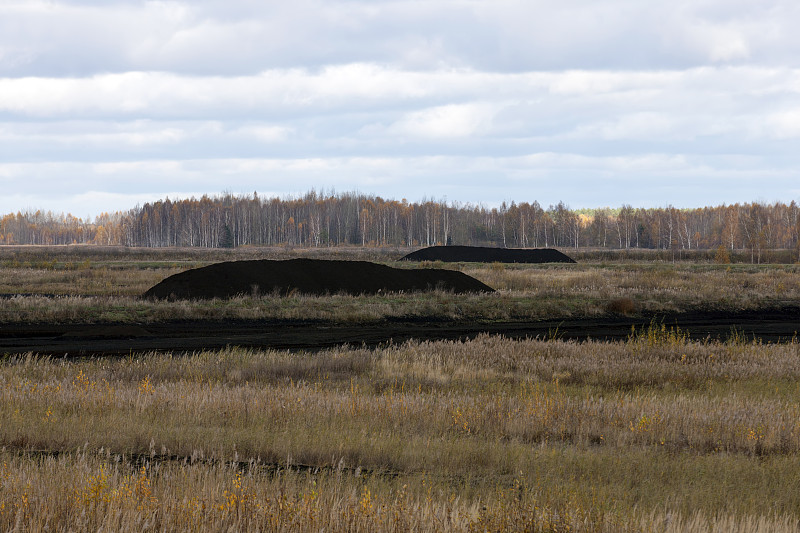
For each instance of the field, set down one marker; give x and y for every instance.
(661, 430)
(101, 285)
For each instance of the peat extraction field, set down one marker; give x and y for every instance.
(598, 396)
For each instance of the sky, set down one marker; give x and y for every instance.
(106, 104)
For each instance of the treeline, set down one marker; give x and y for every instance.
(362, 220)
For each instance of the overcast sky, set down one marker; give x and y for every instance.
(108, 103)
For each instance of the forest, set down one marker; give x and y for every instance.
(354, 219)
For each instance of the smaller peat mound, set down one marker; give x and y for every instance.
(307, 276)
(478, 254)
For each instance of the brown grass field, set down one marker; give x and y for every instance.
(655, 433)
(97, 285)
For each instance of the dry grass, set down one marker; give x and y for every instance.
(105, 290)
(94, 492)
(489, 434)
(118, 271)
(652, 287)
(654, 434)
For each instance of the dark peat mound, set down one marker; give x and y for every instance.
(307, 276)
(478, 254)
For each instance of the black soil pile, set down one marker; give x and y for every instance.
(477, 254)
(308, 276)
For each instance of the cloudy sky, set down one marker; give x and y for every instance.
(108, 103)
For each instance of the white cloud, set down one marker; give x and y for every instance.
(456, 97)
(154, 94)
(86, 205)
(266, 134)
(136, 138)
(632, 126)
(727, 45)
(244, 37)
(783, 125)
(549, 177)
(369, 87)
(450, 121)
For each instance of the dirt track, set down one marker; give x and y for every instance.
(76, 340)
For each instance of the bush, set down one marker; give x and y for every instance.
(624, 306)
(722, 256)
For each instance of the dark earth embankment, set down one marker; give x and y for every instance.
(308, 276)
(769, 325)
(478, 254)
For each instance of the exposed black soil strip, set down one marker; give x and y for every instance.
(135, 461)
(771, 325)
(308, 276)
(477, 254)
